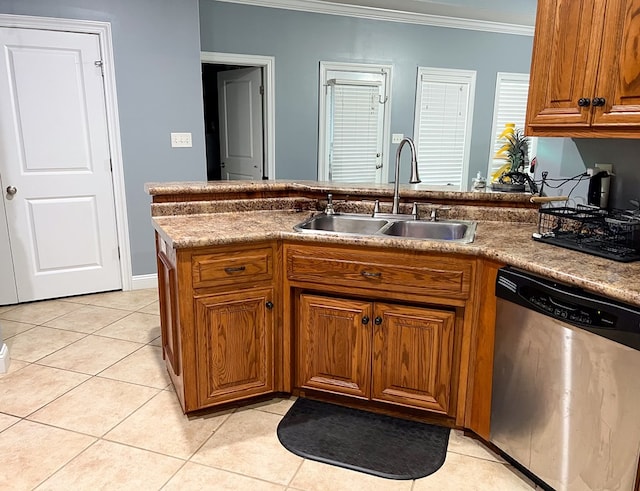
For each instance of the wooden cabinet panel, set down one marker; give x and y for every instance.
(563, 64)
(585, 70)
(386, 271)
(413, 356)
(234, 344)
(168, 299)
(232, 267)
(373, 350)
(619, 72)
(333, 345)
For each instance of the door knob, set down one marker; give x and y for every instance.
(11, 190)
(377, 321)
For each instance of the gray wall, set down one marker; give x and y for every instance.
(568, 157)
(157, 66)
(300, 40)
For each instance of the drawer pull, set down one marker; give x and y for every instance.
(236, 269)
(367, 274)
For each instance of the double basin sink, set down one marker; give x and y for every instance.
(352, 224)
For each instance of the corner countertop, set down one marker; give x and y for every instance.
(506, 242)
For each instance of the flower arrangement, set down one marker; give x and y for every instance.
(515, 151)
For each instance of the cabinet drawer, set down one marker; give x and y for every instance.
(232, 267)
(390, 271)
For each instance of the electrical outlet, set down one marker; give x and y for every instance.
(181, 140)
(396, 137)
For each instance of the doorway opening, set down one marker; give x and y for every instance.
(238, 98)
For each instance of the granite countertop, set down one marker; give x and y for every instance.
(509, 243)
(408, 192)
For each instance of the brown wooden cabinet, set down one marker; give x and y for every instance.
(168, 299)
(585, 71)
(219, 310)
(234, 345)
(333, 345)
(379, 325)
(372, 350)
(413, 356)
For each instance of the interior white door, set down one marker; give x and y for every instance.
(241, 134)
(8, 292)
(55, 164)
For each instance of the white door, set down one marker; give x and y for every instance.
(55, 165)
(240, 112)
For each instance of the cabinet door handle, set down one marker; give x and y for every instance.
(367, 274)
(584, 102)
(599, 101)
(377, 321)
(236, 269)
(365, 320)
(269, 305)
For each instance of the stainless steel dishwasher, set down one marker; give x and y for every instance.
(566, 383)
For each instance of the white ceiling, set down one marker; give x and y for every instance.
(519, 12)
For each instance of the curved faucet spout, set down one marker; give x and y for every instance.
(415, 179)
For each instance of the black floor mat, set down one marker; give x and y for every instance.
(366, 442)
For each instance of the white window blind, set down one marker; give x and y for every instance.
(444, 111)
(510, 106)
(354, 117)
(355, 144)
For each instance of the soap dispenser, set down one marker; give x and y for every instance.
(479, 183)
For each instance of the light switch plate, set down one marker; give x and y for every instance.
(181, 140)
(396, 137)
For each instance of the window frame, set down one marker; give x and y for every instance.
(448, 75)
(495, 131)
(356, 68)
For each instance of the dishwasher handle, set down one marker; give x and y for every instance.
(561, 305)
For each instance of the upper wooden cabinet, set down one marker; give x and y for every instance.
(585, 70)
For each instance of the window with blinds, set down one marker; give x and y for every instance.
(510, 106)
(442, 129)
(353, 123)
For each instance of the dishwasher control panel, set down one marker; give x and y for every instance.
(571, 305)
(562, 310)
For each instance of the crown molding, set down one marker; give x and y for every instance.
(375, 13)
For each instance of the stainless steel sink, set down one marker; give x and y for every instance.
(342, 224)
(451, 230)
(447, 230)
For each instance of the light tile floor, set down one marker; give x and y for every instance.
(87, 405)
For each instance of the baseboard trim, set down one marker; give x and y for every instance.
(143, 281)
(5, 360)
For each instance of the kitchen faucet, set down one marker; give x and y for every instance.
(415, 179)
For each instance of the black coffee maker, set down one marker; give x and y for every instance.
(598, 194)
